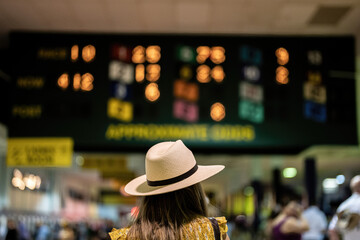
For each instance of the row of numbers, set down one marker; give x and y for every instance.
(79, 82)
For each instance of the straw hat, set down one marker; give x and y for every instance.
(169, 166)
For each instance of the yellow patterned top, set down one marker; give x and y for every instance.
(199, 228)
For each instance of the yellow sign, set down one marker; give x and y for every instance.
(109, 165)
(40, 152)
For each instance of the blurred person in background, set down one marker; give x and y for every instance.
(174, 205)
(290, 223)
(83, 233)
(24, 233)
(269, 221)
(43, 231)
(12, 231)
(3, 226)
(346, 221)
(241, 229)
(317, 222)
(66, 232)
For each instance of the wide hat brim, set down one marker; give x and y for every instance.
(140, 187)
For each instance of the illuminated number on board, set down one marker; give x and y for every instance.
(218, 74)
(77, 81)
(87, 82)
(88, 53)
(152, 92)
(140, 72)
(153, 54)
(217, 112)
(217, 55)
(153, 72)
(203, 74)
(138, 54)
(203, 54)
(63, 81)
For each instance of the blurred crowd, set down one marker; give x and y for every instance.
(293, 220)
(62, 230)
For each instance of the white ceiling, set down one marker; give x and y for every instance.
(175, 16)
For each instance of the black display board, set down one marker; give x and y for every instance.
(271, 93)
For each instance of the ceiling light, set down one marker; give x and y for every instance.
(289, 172)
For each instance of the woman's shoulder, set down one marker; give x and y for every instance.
(119, 234)
(222, 224)
(205, 223)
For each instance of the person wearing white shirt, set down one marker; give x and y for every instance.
(350, 207)
(317, 223)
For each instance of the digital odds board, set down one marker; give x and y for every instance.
(215, 92)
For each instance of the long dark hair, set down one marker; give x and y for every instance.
(163, 216)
